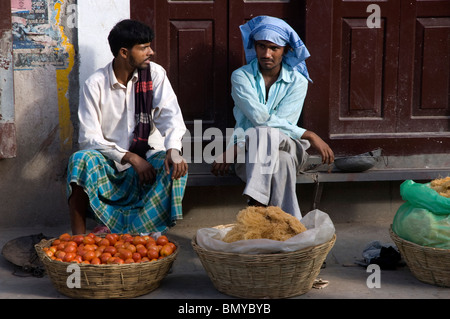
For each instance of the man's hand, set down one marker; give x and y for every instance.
(145, 170)
(316, 142)
(180, 167)
(222, 163)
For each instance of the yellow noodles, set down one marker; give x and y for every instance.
(264, 222)
(442, 186)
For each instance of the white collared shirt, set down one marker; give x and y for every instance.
(107, 120)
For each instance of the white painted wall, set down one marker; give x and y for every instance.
(33, 183)
(95, 21)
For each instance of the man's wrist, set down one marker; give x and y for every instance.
(125, 158)
(129, 158)
(174, 155)
(174, 151)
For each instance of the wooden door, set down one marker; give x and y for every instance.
(382, 87)
(191, 44)
(199, 44)
(364, 64)
(424, 67)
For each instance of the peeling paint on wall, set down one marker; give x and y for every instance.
(62, 80)
(37, 40)
(8, 147)
(5, 51)
(6, 78)
(41, 39)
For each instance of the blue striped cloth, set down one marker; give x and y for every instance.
(119, 202)
(279, 32)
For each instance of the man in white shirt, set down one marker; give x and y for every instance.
(124, 176)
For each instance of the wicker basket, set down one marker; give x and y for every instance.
(279, 275)
(107, 281)
(427, 264)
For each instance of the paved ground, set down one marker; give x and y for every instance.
(188, 279)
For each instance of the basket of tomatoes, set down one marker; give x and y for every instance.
(107, 265)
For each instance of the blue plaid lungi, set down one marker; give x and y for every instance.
(118, 200)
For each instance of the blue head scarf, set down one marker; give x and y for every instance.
(279, 32)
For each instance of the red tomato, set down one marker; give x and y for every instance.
(89, 255)
(141, 250)
(65, 237)
(152, 254)
(166, 250)
(87, 240)
(162, 240)
(78, 259)
(111, 238)
(60, 254)
(68, 257)
(125, 254)
(110, 249)
(130, 246)
(104, 242)
(138, 240)
(78, 239)
(117, 260)
(70, 249)
(137, 257)
(104, 257)
(174, 247)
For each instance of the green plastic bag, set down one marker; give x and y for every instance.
(424, 218)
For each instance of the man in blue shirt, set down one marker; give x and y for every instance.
(268, 94)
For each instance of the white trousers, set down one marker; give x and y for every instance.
(272, 162)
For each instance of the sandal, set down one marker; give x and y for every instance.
(101, 229)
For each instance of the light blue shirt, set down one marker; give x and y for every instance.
(281, 110)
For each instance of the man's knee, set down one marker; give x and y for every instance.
(84, 155)
(77, 193)
(258, 133)
(262, 142)
(285, 159)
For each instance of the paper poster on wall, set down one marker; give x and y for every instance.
(37, 40)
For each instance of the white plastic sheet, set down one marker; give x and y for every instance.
(320, 229)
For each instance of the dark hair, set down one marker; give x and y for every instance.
(127, 33)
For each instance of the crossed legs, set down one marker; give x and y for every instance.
(271, 178)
